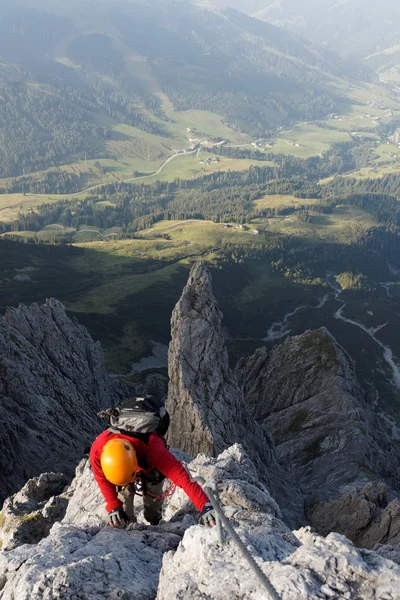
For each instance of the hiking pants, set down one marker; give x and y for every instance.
(152, 486)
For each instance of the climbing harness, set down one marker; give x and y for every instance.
(223, 521)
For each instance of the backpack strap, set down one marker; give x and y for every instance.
(143, 437)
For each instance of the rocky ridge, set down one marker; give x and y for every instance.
(59, 546)
(83, 559)
(306, 394)
(52, 383)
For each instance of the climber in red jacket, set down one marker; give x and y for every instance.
(118, 461)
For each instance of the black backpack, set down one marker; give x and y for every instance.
(137, 417)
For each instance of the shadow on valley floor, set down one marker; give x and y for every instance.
(126, 301)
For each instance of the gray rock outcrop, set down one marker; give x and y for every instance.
(204, 400)
(305, 392)
(28, 516)
(178, 559)
(365, 515)
(320, 568)
(52, 383)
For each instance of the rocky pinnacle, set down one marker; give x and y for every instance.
(204, 400)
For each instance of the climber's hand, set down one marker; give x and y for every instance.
(118, 518)
(208, 515)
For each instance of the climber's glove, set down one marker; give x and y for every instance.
(118, 518)
(208, 515)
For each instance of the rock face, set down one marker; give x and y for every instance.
(305, 392)
(364, 514)
(82, 559)
(28, 516)
(319, 568)
(52, 383)
(85, 563)
(204, 400)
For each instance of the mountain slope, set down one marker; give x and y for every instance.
(52, 381)
(57, 544)
(82, 558)
(351, 28)
(68, 79)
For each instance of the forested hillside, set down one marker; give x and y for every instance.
(137, 137)
(58, 102)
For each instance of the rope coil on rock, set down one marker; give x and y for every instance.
(223, 521)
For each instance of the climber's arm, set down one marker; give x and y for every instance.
(159, 457)
(108, 490)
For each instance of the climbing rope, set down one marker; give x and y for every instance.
(223, 521)
(170, 491)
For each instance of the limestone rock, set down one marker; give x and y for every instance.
(306, 394)
(388, 552)
(52, 383)
(86, 506)
(319, 568)
(28, 516)
(76, 562)
(236, 478)
(364, 515)
(177, 559)
(203, 394)
(205, 403)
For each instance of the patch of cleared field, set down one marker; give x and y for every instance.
(13, 204)
(205, 122)
(386, 162)
(189, 166)
(388, 153)
(110, 170)
(375, 172)
(277, 200)
(373, 111)
(150, 139)
(374, 95)
(336, 227)
(106, 203)
(21, 234)
(391, 75)
(355, 123)
(307, 139)
(126, 167)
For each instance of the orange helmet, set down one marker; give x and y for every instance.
(119, 462)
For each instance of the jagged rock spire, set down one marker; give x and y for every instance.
(204, 400)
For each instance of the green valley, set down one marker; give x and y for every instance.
(144, 138)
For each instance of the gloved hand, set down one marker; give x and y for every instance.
(208, 515)
(118, 518)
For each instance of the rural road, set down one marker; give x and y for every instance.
(100, 185)
(103, 235)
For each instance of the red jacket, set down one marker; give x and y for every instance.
(157, 456)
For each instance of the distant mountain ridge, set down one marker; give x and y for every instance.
(353, 28)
